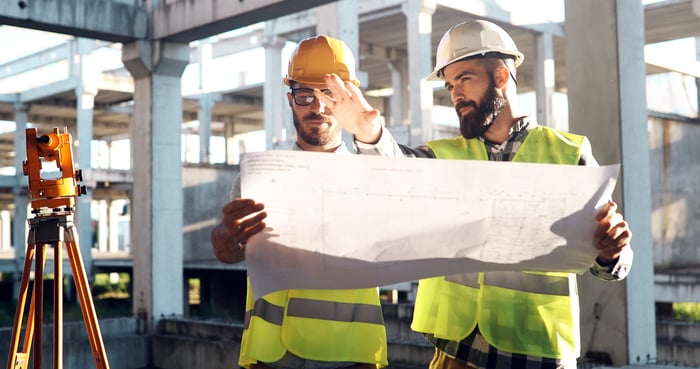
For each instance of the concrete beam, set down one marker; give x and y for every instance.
(677, 287)
(41, 92)
(659, 64)
(8, 98)
(34, 61)
(98, 19)
(187, 20)
(41, 58)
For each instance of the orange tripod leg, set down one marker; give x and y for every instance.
(86, 303)
(38, 303)
(57, 306)
(20, 359)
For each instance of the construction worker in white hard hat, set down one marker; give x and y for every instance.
(302, 329)
(496, 319)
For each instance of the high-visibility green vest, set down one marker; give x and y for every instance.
(528, 313)
(321, 325)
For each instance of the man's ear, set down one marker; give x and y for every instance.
(289, 99)
(500, 77)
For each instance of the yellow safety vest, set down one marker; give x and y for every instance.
(320, 325)
(528, 313)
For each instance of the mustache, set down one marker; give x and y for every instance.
(465, 104)
(314, 116)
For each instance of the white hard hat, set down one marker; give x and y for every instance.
(472, 38)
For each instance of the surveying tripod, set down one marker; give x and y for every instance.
(53, 204)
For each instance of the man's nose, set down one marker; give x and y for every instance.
(317, 106)
(457, 96)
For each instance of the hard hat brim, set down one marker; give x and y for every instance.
(288, 81)
(435, 75)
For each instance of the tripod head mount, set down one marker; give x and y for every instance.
(57, 194)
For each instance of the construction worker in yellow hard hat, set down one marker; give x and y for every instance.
(505, 319)
(295, 329)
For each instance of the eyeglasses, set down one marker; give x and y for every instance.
(305, 96)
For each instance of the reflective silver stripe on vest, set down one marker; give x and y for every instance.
(466, 279)
(306, 308)
(337, 311)
(526, 282)
(267, 311)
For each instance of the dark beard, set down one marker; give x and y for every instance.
(315, 136)
(479, 120)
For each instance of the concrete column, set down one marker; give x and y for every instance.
(102, 227)
(419, 26)
(607, 102)
(21, 194)
(6, 230)
(395, 100)
(340, 19)
(85, 92)
(274, 100)
(205, 104)
(231, 142)
(114, 209)
(545, 81)
(157, 203)
(697, 57)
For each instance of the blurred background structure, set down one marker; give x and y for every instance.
(163, 96)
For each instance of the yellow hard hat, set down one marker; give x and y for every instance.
(472, 38)
(315, 57)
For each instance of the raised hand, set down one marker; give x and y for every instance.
(352, 110)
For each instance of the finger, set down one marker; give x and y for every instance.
(235, 215)
(334, 83)
(242, 224)
(614, 242)
(608, 208)
(249, 232)
(618, 232)
(605, 225)
(325, 99)
(237, 204)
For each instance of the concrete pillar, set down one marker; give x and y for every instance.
(205, 104)
(395, 100)
(231, 153)
(21, 194)
(419, 26)
(83, 68)
(6, 230)
(340, 19)
(697, 57)
(274, 99)
(545, 81)
(607, 102)
(102, 227)
(114, 209)
(157, 199)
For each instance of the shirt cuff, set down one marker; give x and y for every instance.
(616, 271)
(385, 146)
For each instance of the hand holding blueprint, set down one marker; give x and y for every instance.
(355, 221)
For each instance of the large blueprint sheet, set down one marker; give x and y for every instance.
(352, 221)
